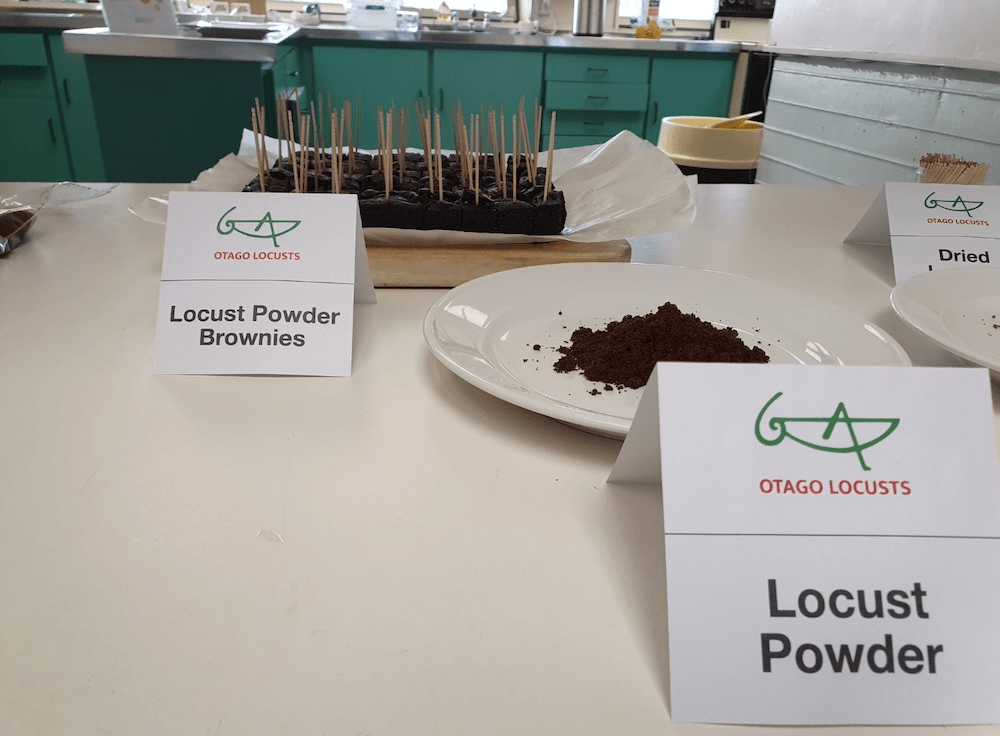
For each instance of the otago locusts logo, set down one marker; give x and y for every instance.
(958, 204)
(266, 227)
(838, 433)
(263, 228)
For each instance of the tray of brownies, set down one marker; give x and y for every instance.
(436, 217)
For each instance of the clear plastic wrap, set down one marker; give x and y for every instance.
(17, 215)
(19, 211)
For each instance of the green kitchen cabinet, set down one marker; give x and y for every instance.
(32, 142)
(167, 120)
(378, 77)
(480, 79)
(95, 117)
(73, 93)
(689, 84)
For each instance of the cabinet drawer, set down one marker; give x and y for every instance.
(574, 122)
(23, 49)
(586, 96)
(502, 80)
(596, 68)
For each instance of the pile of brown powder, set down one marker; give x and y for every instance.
(623, 354)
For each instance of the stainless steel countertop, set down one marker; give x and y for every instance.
(503, 38)
(81, 17)
(190, 45)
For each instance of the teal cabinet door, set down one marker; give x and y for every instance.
(285, 79)
(689, 85)
(482, 79)
(288, 79)
(168, 120)
(31, 141)
(73, 93)
(386, 77)
(32, 144)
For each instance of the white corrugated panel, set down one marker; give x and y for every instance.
(951, 32)
(858, 122)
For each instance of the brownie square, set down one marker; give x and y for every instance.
(550, 215)
(514, 216)
(443, 215)
(479, 218)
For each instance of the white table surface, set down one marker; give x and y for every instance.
(391, 553)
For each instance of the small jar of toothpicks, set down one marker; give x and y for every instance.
(941, 168)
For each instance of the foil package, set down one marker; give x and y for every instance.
(15, 221)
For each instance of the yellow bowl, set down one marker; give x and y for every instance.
(690, 141)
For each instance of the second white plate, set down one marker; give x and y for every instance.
(486, 330)
(957, 309)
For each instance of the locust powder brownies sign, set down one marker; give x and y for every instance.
(261, 284)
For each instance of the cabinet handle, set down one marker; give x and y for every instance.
(66, 91)
(656, 113)
(597, 69)
(441, 99)
(52, 130)
(592, 122)
(597, 97)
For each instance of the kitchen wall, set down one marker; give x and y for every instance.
(886, 85)
(848, 122)
(963, 32)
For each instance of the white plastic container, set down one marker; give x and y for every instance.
(689, 141)
(375, 15)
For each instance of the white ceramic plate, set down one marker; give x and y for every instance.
(957, 309)
(485, 330)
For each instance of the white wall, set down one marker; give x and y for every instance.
(867, 122)
(926, 30)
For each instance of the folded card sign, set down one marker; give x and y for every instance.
(260, 284)
(140, 16)
(933, 226)
(827, 533)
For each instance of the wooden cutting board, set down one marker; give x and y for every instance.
(444, 266)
